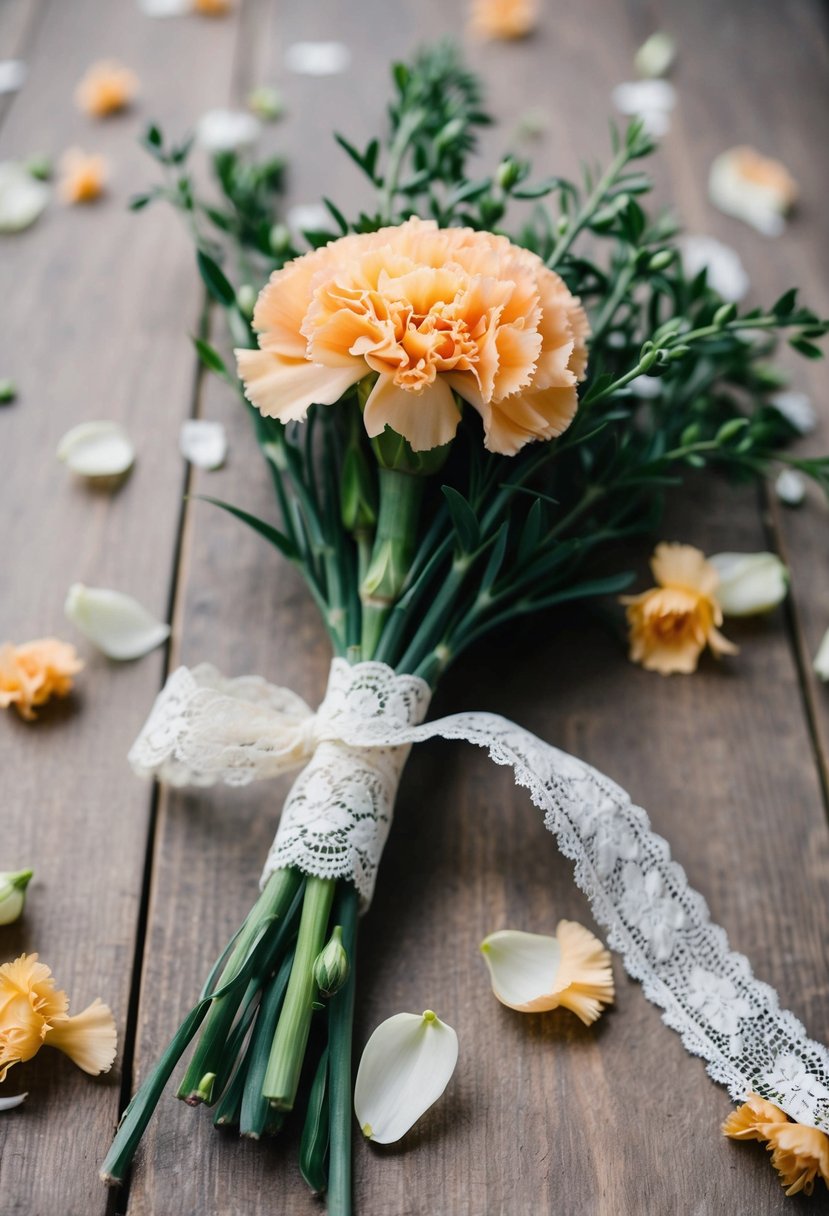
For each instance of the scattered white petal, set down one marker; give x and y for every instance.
(752, 188)
(821, 664)
(646, 387)
(203, 443)
(790, 487)
(10, 1103)
(165, 8)
(116, 623)
(22, 198)
(796, 408)
(750, 583)
(227, 130)
(13, 73)
(522, 967)
(656, 55)
(307, 217)
(406, 1065)
(651, 100)
(98, 450)
(317, 58)
(726, 273)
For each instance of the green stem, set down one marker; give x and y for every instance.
(291, 1038)
(588, 210)
(394, 544)
(612, 303)
(274, 902)
(397, 152)
(340, 1027)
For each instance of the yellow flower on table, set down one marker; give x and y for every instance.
(672, 623)
(504, 18)
(105, 88)
(34, 1013)
(799, 1153)
(212, 8)
(430, 314)
(83, 176)
(32, 673)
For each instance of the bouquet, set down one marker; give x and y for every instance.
(454, 417)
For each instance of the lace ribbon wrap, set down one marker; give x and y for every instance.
(204, 729)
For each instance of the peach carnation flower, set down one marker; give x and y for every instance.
(33, 1012)
(431, 312)
(83, 176)
(671, 624)
(799, 1153)
(105, 88)
(212, 8)
(503, 18)
(32, 673)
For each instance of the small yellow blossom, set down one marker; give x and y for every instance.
(83, 176)
(503, 18)
(212, 8)
(105, 88)
(671, 624)
(34, 1013)
(32, 673)
(799, 1153)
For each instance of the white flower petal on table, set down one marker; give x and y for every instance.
(650, 100)
(726, 273)
(751, 188)
(307, 217)
(114, 622)
(821, 663)
(165, 8)
(317, 58)
(790, 487)
(796, 408)
(203, 443)
(97, 450)
(522, 968)
(223, 130)
(750, 583)
(10, 1103)
(656, 55)
(22, 197)
(405, 1067)
(13, 73)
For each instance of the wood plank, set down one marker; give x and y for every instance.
(542, 1114)
(94, 305)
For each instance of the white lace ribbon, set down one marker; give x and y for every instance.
(204, 729)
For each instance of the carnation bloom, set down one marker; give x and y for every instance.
(212, 8)
(33, 1012)
(106, 87)
(432, 312)
(503, 18)
(32, 673)
(83, 176)
(671, 624)
(799, 1153)
(532, 972)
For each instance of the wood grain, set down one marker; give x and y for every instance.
(542, 1115)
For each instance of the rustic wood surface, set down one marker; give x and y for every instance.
(134, 897)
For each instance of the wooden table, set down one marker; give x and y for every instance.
(137, 890)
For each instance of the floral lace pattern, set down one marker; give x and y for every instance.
(338, 813)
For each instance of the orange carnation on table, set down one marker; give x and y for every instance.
(799, 1153)
(503, 18)
(32, 673)
(672, 623)
(105, 88)
(433, 315)
(34, 1013)
(83, 176)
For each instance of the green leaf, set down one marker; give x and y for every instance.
(337, 215)
(496, 557)
(786, 303)
(212, 360)
(268, 531)
(215, 281)
(531, 533)
(807, 349)
(463, 517)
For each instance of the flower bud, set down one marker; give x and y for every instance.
(750, 583)
(246, 300)
(331, 965)
(508, 174)
(13, 895)
(280, 239)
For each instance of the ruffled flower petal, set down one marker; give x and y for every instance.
(97, 450)
(285, 388)
(116, 623)
(533, 972)
(105, 88)
(34, 672)
(83, 176)
(799, 1153)
(753, 188)
(427, 419)
(88, 1038)
(405, 1067)
(503, 19)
